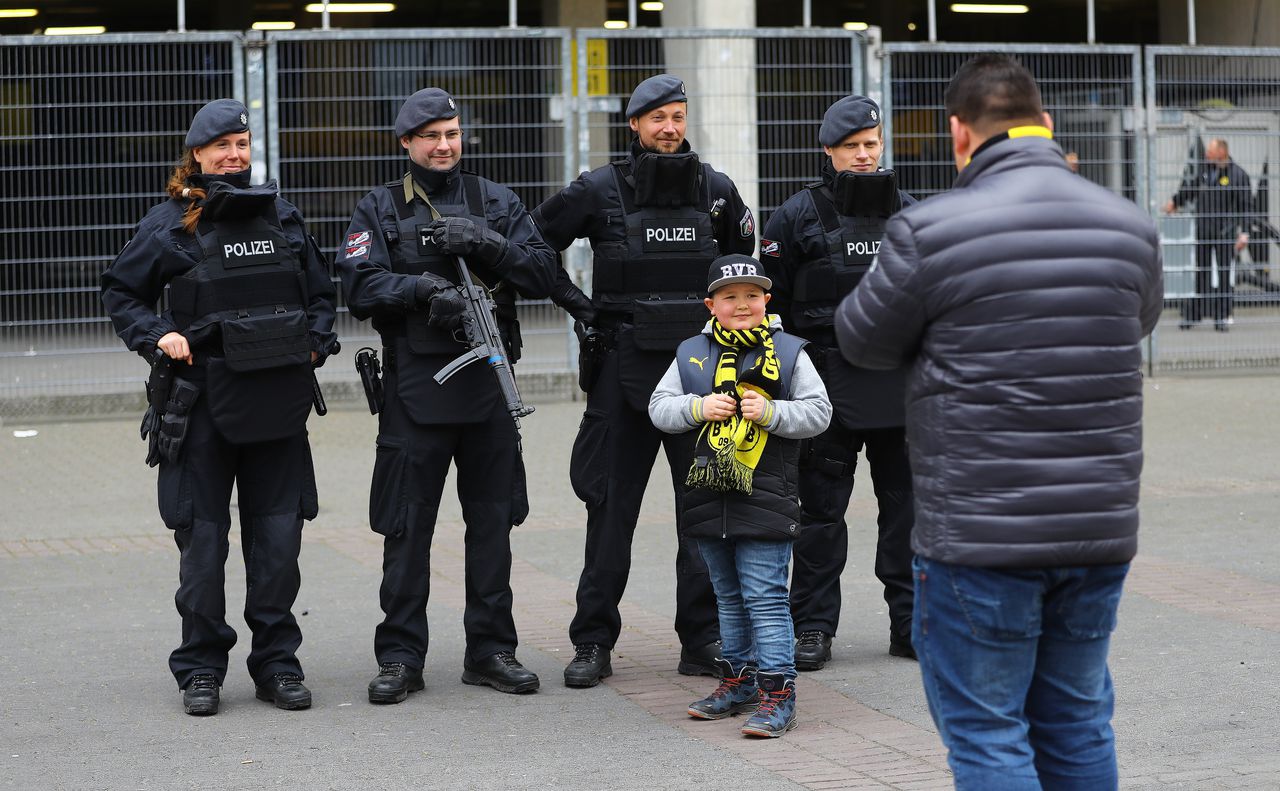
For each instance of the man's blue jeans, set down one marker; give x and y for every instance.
(750, 581)
(1014, 663)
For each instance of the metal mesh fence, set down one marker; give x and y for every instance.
(756, 98)
(1206, 105)
(89, 130)
(1093, 93)
(332, 101)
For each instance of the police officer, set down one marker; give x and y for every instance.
(1224, 207)
(656, 221)
(251, 311)
(816, 247)
(398, 268)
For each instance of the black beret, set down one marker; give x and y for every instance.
(736, 268)
(425, 106)
(654, 92)
(217, 118)
(850, 114)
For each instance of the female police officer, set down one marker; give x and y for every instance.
(250, 312)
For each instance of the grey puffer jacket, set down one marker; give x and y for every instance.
(1019, 299)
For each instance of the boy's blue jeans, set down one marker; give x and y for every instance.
(1014, 663)
(750, 581)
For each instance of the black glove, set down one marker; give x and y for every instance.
(461, 236)
(446, 303)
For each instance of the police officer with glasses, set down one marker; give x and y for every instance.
(250, 312)
(399, 269)
(656, 220)
(816, 247)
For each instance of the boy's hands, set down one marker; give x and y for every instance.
(753, 405)
(718, 406)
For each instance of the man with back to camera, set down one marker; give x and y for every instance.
(1019, 300)
(398, 268)
(656, 221)
(816, 247)
(1224, 205)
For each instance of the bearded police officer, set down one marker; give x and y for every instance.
(655, 220)
(398, 268)
(250, 312)
(816, 247)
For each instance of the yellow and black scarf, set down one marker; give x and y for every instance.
(728, 451)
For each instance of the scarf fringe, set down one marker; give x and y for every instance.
(723, 472)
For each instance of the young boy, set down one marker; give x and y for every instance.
(751, 393)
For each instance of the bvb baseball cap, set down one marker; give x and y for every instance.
(736, 268)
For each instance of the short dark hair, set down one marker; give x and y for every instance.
(992, 93)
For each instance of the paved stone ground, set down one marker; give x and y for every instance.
(87, 574)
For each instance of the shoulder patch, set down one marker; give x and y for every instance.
(358, 244)
(770, 248)
(747, 225)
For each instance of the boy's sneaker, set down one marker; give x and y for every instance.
(777, 712)
(737, 693)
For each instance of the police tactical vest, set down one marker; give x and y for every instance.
(860, 398)
(247, 295)
(772, 511)
(851, 244)
(413, 252)
(658, 274)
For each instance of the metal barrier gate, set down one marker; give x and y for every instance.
(332, 100)
(1196, 95)
(90, 128)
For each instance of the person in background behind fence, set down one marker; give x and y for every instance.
(399, 268)
(816, 247)
(1224, 211)
(1019, 300)
(655, 221)
(251, 311)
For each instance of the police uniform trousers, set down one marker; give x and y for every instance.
(1209, 301)
(613, 456)
(826, 484)
(408, 481)
(275, 482)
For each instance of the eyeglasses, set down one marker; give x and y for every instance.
(434, 137)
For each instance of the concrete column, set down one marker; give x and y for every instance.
(720, 76)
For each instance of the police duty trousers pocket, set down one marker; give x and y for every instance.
(308, 497)
(388, 493)
(589, 462)
(660, 325)
(174, 489)
(252, 343)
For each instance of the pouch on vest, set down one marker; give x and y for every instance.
(273, 340)
(660, 326)
(257, 406)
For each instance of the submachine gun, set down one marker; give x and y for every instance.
(484, 342)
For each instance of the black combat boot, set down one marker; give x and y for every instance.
(700, 661)
(394, 682)
(200, 697)
(286, 691)
(502, 671)
(590, 664)
(900, 644)
(813, 650)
